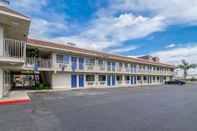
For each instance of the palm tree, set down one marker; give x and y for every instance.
(185, 66)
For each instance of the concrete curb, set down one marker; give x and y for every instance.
(11, 102)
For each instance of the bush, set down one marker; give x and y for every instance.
(42, 86)
(193, 79)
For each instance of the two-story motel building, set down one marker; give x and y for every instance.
(25, 62)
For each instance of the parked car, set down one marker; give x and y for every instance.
(175, 82)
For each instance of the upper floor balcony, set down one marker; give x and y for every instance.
(12, 52)
(38, 63)
(38, 59)
(72, 63)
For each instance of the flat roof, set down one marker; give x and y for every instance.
(52, 45)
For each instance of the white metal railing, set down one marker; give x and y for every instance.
(40, 62)
(14, 48)
(90, 83)
(101, 67)
(89, 67)
(102, 83)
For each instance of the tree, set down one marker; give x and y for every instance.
(185, 66)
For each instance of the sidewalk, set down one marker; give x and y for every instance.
(16, 97)
(21, 96)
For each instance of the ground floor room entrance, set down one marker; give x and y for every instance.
(111, 80)
(81, 80)
(77, 80)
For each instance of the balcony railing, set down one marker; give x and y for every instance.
(102, 83)
(109, 69)
(90, 67)
(14, 48)
(101, 67)
(40, 62)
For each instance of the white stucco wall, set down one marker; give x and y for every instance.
(60, 80)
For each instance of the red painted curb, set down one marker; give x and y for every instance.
(9, 102)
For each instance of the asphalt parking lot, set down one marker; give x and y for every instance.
(156, 108)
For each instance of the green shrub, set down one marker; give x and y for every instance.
(193, 79)
(42, 86)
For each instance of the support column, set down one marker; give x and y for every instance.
(1, 83)
(1, 54)
(96, 82)
(142, 80)
(1, 40)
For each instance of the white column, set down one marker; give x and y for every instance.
(1, 40)
(1, 54)
(1, 83)
(96, 82)
(54, 60)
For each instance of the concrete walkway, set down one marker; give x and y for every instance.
(16, 97)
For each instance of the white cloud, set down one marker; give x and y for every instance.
(103, 32)
(170, 46)
(113, 31)
(41, 28)
(177, 54)
(28, 6)
(44, 23)
(108, 30)
(175, 11)
(124, 49)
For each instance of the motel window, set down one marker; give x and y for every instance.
(118, 78)
(153, 78)
(102, 78)
(100, 62)
(66, 59)
(127, 78)
(109, 63)
(158, 78)
(138, 78)
(145, 78)
(90, 77)
(90, 61)
(126, 65)
(59, 59)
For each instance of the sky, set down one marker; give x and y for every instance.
(163, 28)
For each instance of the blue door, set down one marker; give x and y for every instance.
(113, 80)
(81, 63)
(108, 80)
(73, 81)
(74, 63)
(81, 80)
